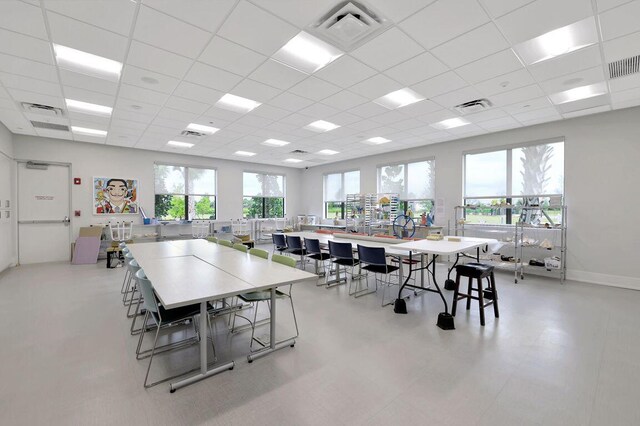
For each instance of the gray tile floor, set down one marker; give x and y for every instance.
(559, 354)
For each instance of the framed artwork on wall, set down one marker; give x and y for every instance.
(115, 196)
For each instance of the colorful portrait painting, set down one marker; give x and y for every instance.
(115, 196)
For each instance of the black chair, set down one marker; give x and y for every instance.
(279, 243)
(294, 246)
(342, 255)
(374, 260)
(314, 252)
(478, 272)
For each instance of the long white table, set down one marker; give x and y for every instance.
(196, 271)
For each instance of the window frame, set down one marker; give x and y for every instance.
(263, 198)
(187, 192)
(341, 203)
(404, 200)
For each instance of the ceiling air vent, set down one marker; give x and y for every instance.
(299, 152)
(192, 134)
(624, 67)
(42, 109)
(49, 126)
(348, 25)
(476, 105)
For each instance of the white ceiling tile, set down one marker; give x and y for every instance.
(608, 4)
(344, 100)
(397, 11)
(81, 81)
(124, 125)
(186, 105)
(319, 111)
(175, 125)
(244, 129)
(456, 97)
(314, 88)
(575, 61)
(474, 45)
(497, 8)
(197, 93)
(144, 56)
(120, 139)
(123, 111)
(297, 119)
(136, 93)
(491, 66)
(376, 86)
(254, 121)
(85, 37)
(213, 77)
(500, 124)
(625, 83)
(126, 106)
(407, 124)
(518, 95)
(528, 105)
(537, 114)
(417, 69)
(368, 110)
(89, 96)
(620, 21)
(216, 113)
(141, 77)
(542, 16)
(270, 112)
(420, 108)
(622, 47)
(112, 15)
(444, 20)
(505, 83)
(207, 15)
(345, 118)
(54, 134)
(163, 31)
(489, 114)
(584, 104)
(290, 102)
(437, 116)
(256, 29)
(440, 84)
(256, 91)
(14, 120)
(630, 95)
(388, 118)
(382, 52)
(277, 75)
(345, 71)
(13, 81)
(7, 103)
(580, 78)
(587, 111)
(231, 57)
(26, 47)
(23, 18)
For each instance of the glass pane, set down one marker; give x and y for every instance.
(274, 207)
(251, 184)
(333, 210)
(333, 187)
(538, 169)
(169, 179)
(202, 181)
(486, 174)
(352, 182)
(391, 180)
(202, 207)
(273, 186)
(169, 207)
(489, 211)
(252, 207)
(420, 180)
(418, 207)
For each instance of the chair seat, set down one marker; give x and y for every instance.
(259, 296)
(297, 252)
(474, 270)
(381, 269)
(406, 261)
(176, 314)
(319, 256)
(347, 262)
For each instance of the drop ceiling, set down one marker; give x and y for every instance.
(181, 57)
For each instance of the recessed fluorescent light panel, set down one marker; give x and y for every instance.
(244, 153)
(328, 152)
(88, 132)
(321, 126)
(87, 108)
(558, 42)
(87, 63)
(275, 142)
(578, 93)
(237, 103)
(378, 140)
(450, 123)
(399, 98)
(178, 144)
(293, 160)
(307, 53)
(207, 130)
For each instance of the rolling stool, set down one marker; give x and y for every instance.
(476, 271)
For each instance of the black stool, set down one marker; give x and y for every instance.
(476, 271)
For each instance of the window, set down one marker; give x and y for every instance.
(263, 195)
(336, 188)
(184, 192)
(532, 174)
(413, 182)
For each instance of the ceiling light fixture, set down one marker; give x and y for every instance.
(558, 42)
(207, 130)
(307, 53)
(244, 153)
(87, 108)
(237, 103)
(450, 123)
(578, 93)
(321, 126)
(293, 160)
(399, 98)
(178, 144)
(275, 142)
(87, 63)
(89, 132)
(328, 152)
(378, 140)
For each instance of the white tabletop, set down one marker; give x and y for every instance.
(445, 246)
(144, 251)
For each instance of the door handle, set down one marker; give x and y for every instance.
(66, 220)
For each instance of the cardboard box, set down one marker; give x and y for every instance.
(91, 231)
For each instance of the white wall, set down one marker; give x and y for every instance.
(602, 172)
(7, 189)
(89, 160)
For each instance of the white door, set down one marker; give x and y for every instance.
(44, 234)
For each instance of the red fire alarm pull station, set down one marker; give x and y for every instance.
(77, 213)
(77, 181)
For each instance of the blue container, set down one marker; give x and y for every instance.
(147, 221)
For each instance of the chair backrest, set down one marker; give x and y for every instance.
(128, 255)
(285, 260)
(279, 240)
(372, 255)
(148, 296)
(294, 243)
(225, 243)
(340, 250)
(312, 246)
(122, 245)
(212, 239)
(133, 266)
(259, 252)
(241, 247)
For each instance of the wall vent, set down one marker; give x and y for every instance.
(49, 126)
(624, 67)
(476, 105)
(43, 109)
(192, 134)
